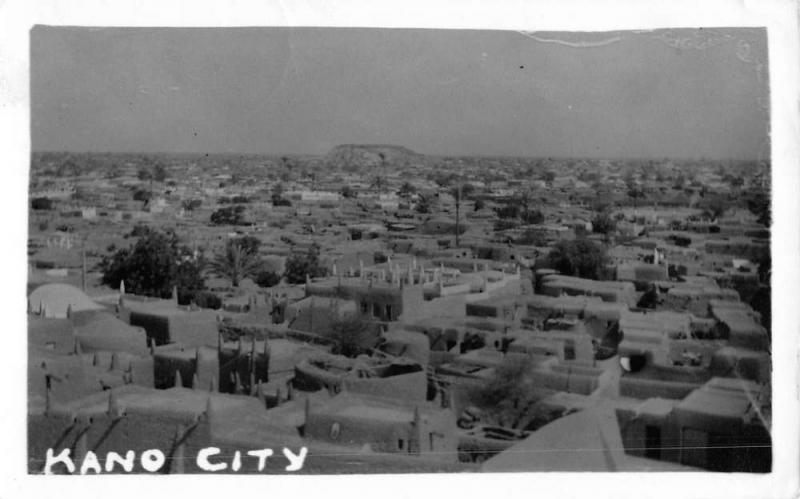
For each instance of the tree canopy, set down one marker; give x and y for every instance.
(424, 204)
(348, 192)
(266, 278)
(152, 266)
(142, 195)
(301, 264)
(714, 207)
(352, 336)
(159, 173)
(603, 223)
(42, 204)
(508, 396)
(579, 257)
(533, 217)
(462, 191)
(520, 207)
(229, 215)
(759, 205)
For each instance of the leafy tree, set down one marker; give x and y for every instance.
(234, 200)
(229, 215)
(159, 173)
(42, 204)
(267, 278)
(548, 176)
(352, 336)
(532, 237)
(207, 299)
(300, 264)
(508, 395)
(277, 196)
(761, 301)
(635, 193)
(479, 204)
(189, 278)
(424, 204)
(714, 208)
(153, 265)
(139, 230)
(523, 199)
(466, 191)
(759, 205)
(144, 174)
(509, 210)
(681, 241)
(579, 257)
(649, 299)
(506, 383)
(348, 192)
(534, 217)
(603, 223)
(444, 179)
(142, 195)
(236, 262)
(519, 207)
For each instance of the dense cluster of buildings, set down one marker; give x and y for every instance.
(484, 355)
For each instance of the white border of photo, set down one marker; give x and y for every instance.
(779, 16)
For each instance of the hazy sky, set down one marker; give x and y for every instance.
(679, 93)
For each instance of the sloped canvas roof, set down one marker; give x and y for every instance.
(588, 440)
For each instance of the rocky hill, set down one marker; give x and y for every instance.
(356, 156)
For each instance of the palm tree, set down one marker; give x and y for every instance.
(457, 192)
(236, 263)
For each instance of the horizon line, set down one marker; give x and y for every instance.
(487, 156)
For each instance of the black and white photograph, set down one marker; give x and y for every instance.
(328, 250)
